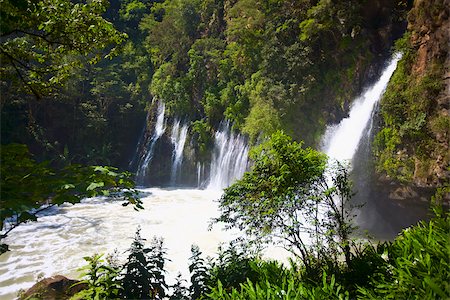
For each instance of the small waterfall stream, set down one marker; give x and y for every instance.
(178, 138)
(229, 161)
(200, 174)
(133, 162)
(159, 130)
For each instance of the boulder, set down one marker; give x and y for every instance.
(52, 288)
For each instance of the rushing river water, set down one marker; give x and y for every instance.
(57, 242)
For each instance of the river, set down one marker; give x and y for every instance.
(58, 241)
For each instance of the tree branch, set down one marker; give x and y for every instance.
(21, 77)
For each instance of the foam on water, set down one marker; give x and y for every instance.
(57, 242)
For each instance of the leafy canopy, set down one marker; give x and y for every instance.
(44, 40)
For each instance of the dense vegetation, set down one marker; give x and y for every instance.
(414, 266)
(68, 82)
(43, 42)
(264, 65)
(293, 197)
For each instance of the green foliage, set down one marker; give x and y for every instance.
(199, 274)
(47, 186)
(288, 289)
(83, 110)
(171, 90)
(212, 105)
(101, 279)
(133, 10)
(246, 277)
(140, 277)
(417, 265)
(201, 134)
(414, 266)
(237, 103)
(171, 36)
(233, 267)
(263, 66)
(263, 118)
(180, 292)
(43, 41)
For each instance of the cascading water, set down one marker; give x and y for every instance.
(136, 157)
(200, 174)
(340, 142)
(159, 130)
(178, 138)
(351, 141)
(229, 159)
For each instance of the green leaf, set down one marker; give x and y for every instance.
(95, 185)
(68, 186)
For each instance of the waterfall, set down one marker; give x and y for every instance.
(200, 174)
(136, 158)
(178, 138)
(229, 159)
(340, 142)
(148, 155)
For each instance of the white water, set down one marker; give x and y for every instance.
(57, 243)
(229, 160)
(178, 138)
(341, 141)
(159, 130)
(200, 174)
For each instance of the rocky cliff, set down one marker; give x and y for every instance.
(413, 144)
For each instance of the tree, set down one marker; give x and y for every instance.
(291, 196)
(44, 40)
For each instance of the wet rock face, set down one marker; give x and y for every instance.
(54, 288)
(385, 19)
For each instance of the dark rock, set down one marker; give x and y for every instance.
(52, 288)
